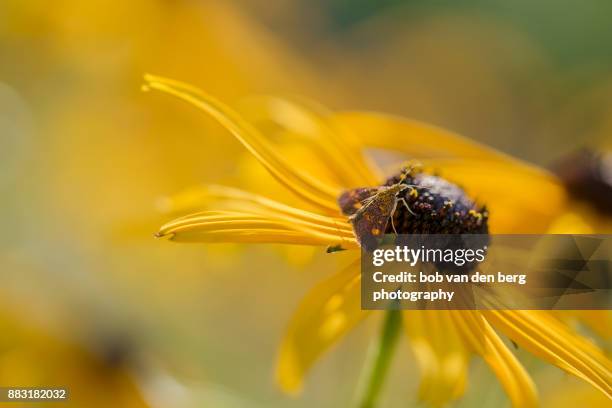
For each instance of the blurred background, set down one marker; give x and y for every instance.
(90, 300)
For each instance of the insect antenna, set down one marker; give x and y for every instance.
(393, 223)
(403, 201)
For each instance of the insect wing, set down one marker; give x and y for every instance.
(370, 223)
(352, 200)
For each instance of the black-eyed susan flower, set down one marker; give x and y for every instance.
(96, 373)
(518, 198)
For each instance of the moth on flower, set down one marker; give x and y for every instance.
(431, 205)
(370, 209)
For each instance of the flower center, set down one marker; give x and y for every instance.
(436, 207)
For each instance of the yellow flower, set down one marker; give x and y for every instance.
(520, 198)
(96, 375)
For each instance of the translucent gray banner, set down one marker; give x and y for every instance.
(488, 272)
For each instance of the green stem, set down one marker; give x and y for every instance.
(378, 361)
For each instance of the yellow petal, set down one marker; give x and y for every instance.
(297, 180)
(229, 198)
(546, 337)
(581, 218)
(312, 125)
(233, 226)
(326, 313)
(440, 353)
(415, 138)
(251, 236)
(481, 337)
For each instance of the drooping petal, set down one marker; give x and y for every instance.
(440, 353)
(546, 337)
(312, 125)
(234, 226)
(229, 198)
(324, 316)
(483, 340)
(297, 180)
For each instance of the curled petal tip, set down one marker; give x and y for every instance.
(148, 78)
(149, 82)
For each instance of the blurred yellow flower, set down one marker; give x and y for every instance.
(520, 199)
(34, 357)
